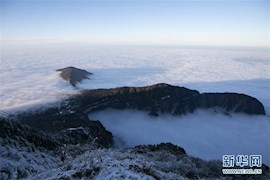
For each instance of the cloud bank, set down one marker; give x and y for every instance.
(203, 134)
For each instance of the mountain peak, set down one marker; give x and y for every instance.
(74, 75)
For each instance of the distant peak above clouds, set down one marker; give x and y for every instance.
(74, 75)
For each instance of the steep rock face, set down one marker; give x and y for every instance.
(163, 98)
(74, 75)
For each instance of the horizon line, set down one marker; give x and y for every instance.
(68, 41)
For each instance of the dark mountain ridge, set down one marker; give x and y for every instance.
(164, 98)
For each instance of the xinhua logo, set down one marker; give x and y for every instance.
(246, 164)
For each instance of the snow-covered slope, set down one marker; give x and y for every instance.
(25, 154)
(137, 163)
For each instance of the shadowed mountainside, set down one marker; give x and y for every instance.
(67, 127)
(163, 98)
(21, 133)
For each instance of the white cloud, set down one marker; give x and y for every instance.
(203, 134)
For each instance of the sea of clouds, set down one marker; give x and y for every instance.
(28, 80)
(28, 77)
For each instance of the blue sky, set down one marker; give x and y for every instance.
(226, 23)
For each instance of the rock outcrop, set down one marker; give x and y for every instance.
(74, 75)
(168, 147)
(163, 98)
